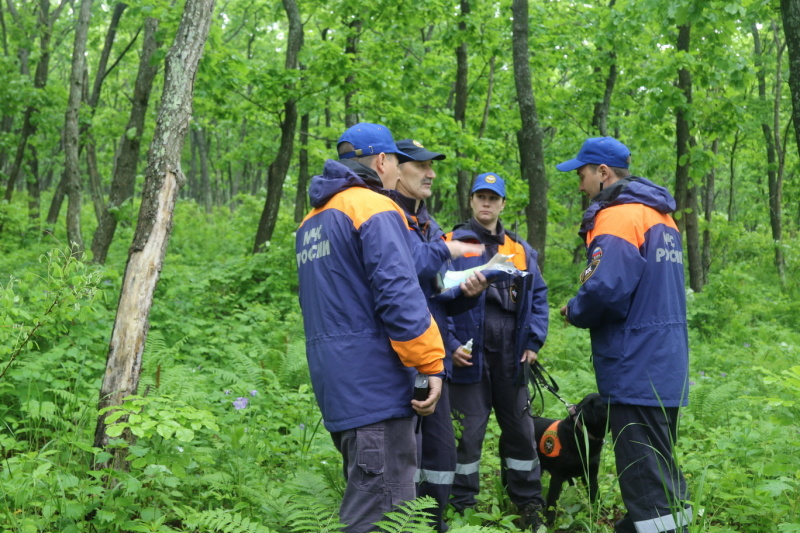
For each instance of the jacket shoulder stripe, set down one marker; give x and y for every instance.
(511, 247)
(359, 204)
(629, 222)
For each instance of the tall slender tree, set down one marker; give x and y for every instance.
(127, 157)
(685, 188)
(790, 13)
(72, 169)
(276, 174)
(529, 138)
(163, 180)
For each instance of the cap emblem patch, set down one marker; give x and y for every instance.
(490, 179)
(417, 144)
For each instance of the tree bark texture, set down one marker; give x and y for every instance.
(280, 165)
(772, 143)
(350, 110)
(72, 169)
(460, 112)
(45, 24)
(790, 11)
(685, 190)
(529, 138)
(303, 175)
(163, 180)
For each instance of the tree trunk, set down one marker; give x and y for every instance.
(529, 138)
(685, 190)
(34, 192)
(277, 170)
(771, 143)
(39, 81)
(72, 169)
(350, 110)
(124, 179)
(708, 211)
(460, 112)
(790, 12)
(200, 141)
(303, 176)
(776, 185)
(732, 178)
(163, 180)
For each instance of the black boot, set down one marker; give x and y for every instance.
(531, 518)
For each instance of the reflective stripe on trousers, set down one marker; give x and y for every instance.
(664, 523)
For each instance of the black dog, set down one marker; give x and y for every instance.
(562, 448)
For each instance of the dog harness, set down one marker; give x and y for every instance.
(550, 445)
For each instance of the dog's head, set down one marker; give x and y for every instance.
(592, 413)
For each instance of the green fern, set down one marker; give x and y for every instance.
(223, 521)
(311, 517)
(410, 517)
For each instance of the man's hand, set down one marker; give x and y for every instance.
(460, 248)
(461, 358)
(426, 407)
(474, 285)
(565, 313)
(529, 356)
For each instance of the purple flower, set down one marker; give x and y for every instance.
(253, 393)
(240, 403)
(302, 426)
(747, 345)
(227, 391)
(692, 383)
(702, 373)
(723, 374)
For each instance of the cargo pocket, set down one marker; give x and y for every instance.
(371, 458)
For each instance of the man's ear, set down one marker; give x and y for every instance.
(380, 162)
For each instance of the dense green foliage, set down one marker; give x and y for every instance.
(225, 333)
(228, 435)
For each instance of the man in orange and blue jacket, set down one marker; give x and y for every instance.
(367, 325)
(633, 301)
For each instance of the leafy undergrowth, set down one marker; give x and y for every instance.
(228, 435)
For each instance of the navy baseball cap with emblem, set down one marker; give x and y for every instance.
(599, 151)
(489, 181)
(370, 139)
(417, 152)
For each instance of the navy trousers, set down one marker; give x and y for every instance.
(652, 486)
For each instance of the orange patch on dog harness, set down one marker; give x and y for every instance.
(550, 445)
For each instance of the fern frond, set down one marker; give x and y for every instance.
(223, 521)
(410, 517)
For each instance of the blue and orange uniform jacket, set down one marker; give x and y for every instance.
(367, 325)
(632, 295)
(529, 294)
(432, 258)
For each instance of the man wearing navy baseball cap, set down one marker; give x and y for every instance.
(507, 327)
(369, 333)
(436, 439)
(633, 301)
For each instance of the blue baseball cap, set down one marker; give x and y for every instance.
(599, 151)
(370, 139)
(489, 181)
(417, 152)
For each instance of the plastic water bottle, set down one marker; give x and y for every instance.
(467, 348)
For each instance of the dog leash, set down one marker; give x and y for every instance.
(539, 377)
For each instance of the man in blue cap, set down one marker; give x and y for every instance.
(633, 301)
(367, 325)
(507, 328)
